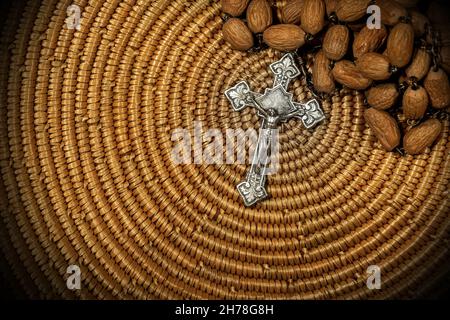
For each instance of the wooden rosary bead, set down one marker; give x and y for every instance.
(420, 65)
(346, 73)
(237, 34)
(351, 10)
(284, 37)
(234, 7)
(290, 12)
(415, 102)
(419, 138)
(391, 12)
(384, 127)
(437, 85)
(419, 22)
(400, 45)
(312, 16)
(335, 42)
(374, 66)
(259, 15)
(382, 96)
(322, 76)
(369, 40)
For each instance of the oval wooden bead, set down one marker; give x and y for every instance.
(259, 15)
(382, 96)
(415, 103)
(290, 12)
(237, 34)
(335, 42)
(312, 16)
(400, 45)
(284, 37)
(351, 10)
(374, 66)
(419, 138)
(437, 85)
(234, 7)
(420, 65)
(321, 72)
(384, 127)
(419, 22)
(369, 40)
(346, 73)
(391, 12)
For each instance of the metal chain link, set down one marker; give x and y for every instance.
(435, 46)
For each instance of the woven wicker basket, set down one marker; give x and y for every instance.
(86, 119)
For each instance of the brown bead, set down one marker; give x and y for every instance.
(382, 96)
(290, 12)
(400, 45)
(237, 34)
(312, 16)
(322, 76)
(335, 42)
(346, 73)
(234, 7)
(284, 37)
(374, 66)
(420, 65)
(437, 85)
(369, 40)
(384, 127)
(419, 138)
(391, 12)
(415, 103)
(351, 10)
(259, 15)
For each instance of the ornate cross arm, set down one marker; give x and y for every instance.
(285, 71)
(240, 96)
(309, 113)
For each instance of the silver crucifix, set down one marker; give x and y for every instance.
(275, 106)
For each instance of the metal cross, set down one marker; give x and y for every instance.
(274, 107)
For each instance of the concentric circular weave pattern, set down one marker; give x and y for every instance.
(86, 121)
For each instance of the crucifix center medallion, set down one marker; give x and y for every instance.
(273, 107)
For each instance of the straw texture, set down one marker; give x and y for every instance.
(86, 120)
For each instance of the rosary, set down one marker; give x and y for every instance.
(396, 61)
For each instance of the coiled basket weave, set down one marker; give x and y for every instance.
(86, 120)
